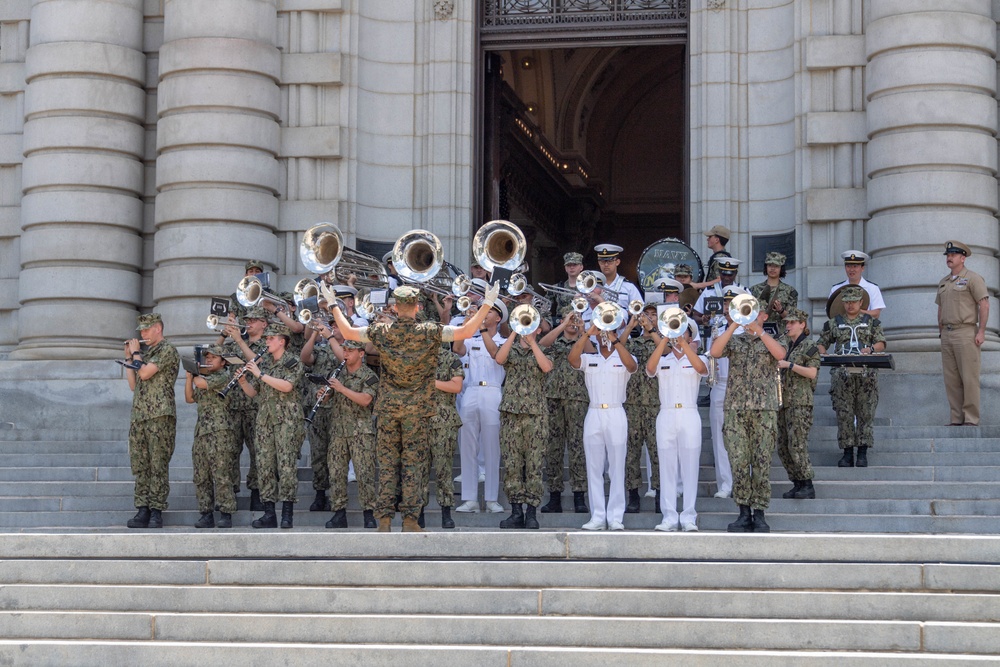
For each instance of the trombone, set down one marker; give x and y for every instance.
(217, 324)
(588, 281)
(305, 289)
(519, 285)
(322, 250)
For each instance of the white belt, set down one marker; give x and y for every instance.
(605, 406)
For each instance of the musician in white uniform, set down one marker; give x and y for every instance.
(854, 266)
(608, 260)
(678, 369)
(605, 430)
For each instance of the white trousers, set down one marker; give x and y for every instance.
(723, 472)
(678, 443)
(480, 434)
(605, 441)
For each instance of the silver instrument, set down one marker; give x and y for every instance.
(608, 316)
(371, 312)
(744, 309)
(672, 323)
(217, 324)
(305, 289)
(635, 307)
(499, 245)
(418, 256)
(524, 319)
(322, 250)
(251, 292)
(519, 285)
(588, 281)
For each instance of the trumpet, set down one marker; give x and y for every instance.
(608, 316)
(519, 285)
(524, 319)
(672, 323)
(370, 311)
(463, 303)
(744, 309)
(215, 323)
(588, 281)
(323, 250)
(635, 307)
(418, 256)
(499, 245)
(580, 305)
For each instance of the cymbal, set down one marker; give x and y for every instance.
(689, 296)
(835, 305)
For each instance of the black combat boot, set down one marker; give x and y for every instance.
(338, 520)
(207, 520)
(847, 460)
(268, 520)
(446, 520)
(287, 507)
(862, 457)
(225, 520)
(516, 518)
(155, 519)
(255, 504)
(321, 504)
(370, 521)
(759, 525)
(140, 520)
(806, 491)
(790, 493)
(420, 519)
(530, 520)
(554, 504)
(634, 502)
(580, 503)
(657, 501)
(744, 524)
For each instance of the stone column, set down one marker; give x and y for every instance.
(932, 153)
(218, 137)
(82, 179)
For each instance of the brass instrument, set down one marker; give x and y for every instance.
(217, 324)
(371, 312)
(635, 307)
(519, 285)
(580, 305)
(418, 256)
(743, 309)
(588, 281)
(713, 371)
(322, 250)
(608, 316)
(672, 323)
(499, 245)
(251, 292)
(305, 289)
(524, 319)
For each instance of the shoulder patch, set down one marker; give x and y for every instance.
(291, 363)
(456, 363)
(373, 380)
(812, 351)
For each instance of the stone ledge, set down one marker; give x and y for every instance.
(15, 10)
(317, 142)
(11, 78)
(328, 6)
(837, 127)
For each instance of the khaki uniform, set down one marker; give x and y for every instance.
(854, 391)
(243, 415)
(785, 293)
(751, 418)
(524, 426)
(795, 418)
(958, 300)
(444, 429)
(280, 430)
(153, 427)
(214, 447)
(568, 402)
(642, 405)
(353, 438)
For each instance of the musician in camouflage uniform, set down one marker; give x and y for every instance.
(214, 446)
(642, 405)
(243, 408)
(444, 430)
(573, 264)
(279, 427)
(854, 391)
(779, 296)
(409, 352)
(751, 416)
(352, 434)
(524, 426)
(799, 370)
(153, 425)
(321, 358)
(253, 267)
(568, 402)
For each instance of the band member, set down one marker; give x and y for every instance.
(605, 430)
(717, 239)
(717, 401)
(778, 295)
(702, 313)
(347, 294)
(678, 370)
(567, 402)
(444, 430)
(321, 359)
(854, 391)
(799, 370)
(854, 266)
(214, 445)
(684, 274)
(153, 424)
(478, 272)
(391, 270)
(751, 421)
(641, 406)
(524, 426)
(409, 352)
(253, 267)
(280, 430)
(352, 434)
(573, 264)
(284, 313)
(608, 259)
(479, 409)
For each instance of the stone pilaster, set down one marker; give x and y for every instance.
(82, 178)
(217, 140)
(932, 153)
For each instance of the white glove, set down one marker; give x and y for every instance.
(491, 294)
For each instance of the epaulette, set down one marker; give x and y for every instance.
(871, 283)
(812, 351)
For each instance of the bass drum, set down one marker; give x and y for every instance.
(661, 258)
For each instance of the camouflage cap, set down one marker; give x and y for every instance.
(406, 294)
(572, 258)
(213, 349)
(288, 297)
(796, 315)
(352, 345)
(276, 330)
(253, 264)
(852, 293)
(255, 313)
(147, 320)
(566, 310)
(683, 270)
(775, 259)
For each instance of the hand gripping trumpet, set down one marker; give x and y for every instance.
(672, 323)
(324, 392)
(217, 324)
(608, 316)
(236, 377)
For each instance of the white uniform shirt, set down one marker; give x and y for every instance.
(479, 365)
(606, 379)
(875, 301)
(626, 291)
(678, 381)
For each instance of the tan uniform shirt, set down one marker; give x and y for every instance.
(959, 297)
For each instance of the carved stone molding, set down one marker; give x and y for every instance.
(443, 9)
(715, 5)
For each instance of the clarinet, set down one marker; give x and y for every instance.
(323, 393)
(236, 377)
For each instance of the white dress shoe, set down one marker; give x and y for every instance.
(651, 493)
(723, 494)
(493, 507)
(594, 524)
(666, 527)
(690, 528)
(468, 507)
(458, 478)
(616, 525)
(482, 478)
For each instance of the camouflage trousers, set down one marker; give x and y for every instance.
(244, 427)
(403, 461)
(443, 441)
(749, 436)
(319, 445)
(278, 448)
(855, 397)
(361, 448)
(566, 433)
(794, 424)
(150, 448)
(521, 443)
(212, 455)
(641, 431)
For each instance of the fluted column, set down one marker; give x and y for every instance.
(82, 178)
(932, 154)
(217, 141)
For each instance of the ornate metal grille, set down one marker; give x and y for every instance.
(501, 16)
